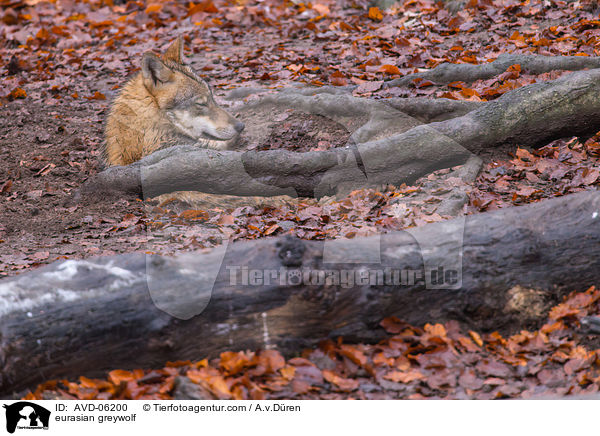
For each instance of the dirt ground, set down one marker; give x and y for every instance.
(302, 132)
(46, 152)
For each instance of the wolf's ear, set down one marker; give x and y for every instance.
(154, 71)
(175, 51)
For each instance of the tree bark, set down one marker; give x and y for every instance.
(529, 116)
(82, 317)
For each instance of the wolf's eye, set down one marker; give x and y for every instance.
(200, 104)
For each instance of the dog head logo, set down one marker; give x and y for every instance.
(26, 415)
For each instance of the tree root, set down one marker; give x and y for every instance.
(532, 64)
(529, 116)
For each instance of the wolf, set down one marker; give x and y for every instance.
(166, 104)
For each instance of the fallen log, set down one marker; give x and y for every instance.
(529, 116)
(83, 317)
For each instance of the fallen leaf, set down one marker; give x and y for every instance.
(344, 384)
(375, 14)
(97, 96)
(194, 215)
(367, 87)
(17, 93)
(404, 377)
(389, 69)
(321, 9)
(6, 186)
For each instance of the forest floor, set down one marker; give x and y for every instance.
(62, 62)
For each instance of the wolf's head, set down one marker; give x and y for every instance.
(186, 99)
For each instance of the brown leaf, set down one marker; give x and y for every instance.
(97, 96)
(469, 380)
(422, 83)
(128, 220)
(468, 344)
(338, 79)
(226, 220)
(153, 8)
(435, 330)
(561, 311)
(6, 186)
(219, 387)
(527, 191)
(211, 379)
(17, 93)
(367, 87)
(389, 69)
(393, 325)
(381, 359)
(475, 336)
(531, 177)
(494, 381)
(45, 169)
(551, 377)
(575, 365)
(194, 214)
(441, 379)
(205, 6)
(269, 230)
(300, 387)
(272, 360)
(375, 14)
(404, 376)
(233, 362)
(118, 375)
(494, 368)
(511, 73)
(288, 372)
(590, 176)
(310, 374)
(524, 155)
(344, 384)
(354, 354)
(321, 9)
(470, 93)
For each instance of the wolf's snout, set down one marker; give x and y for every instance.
(239, 126)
